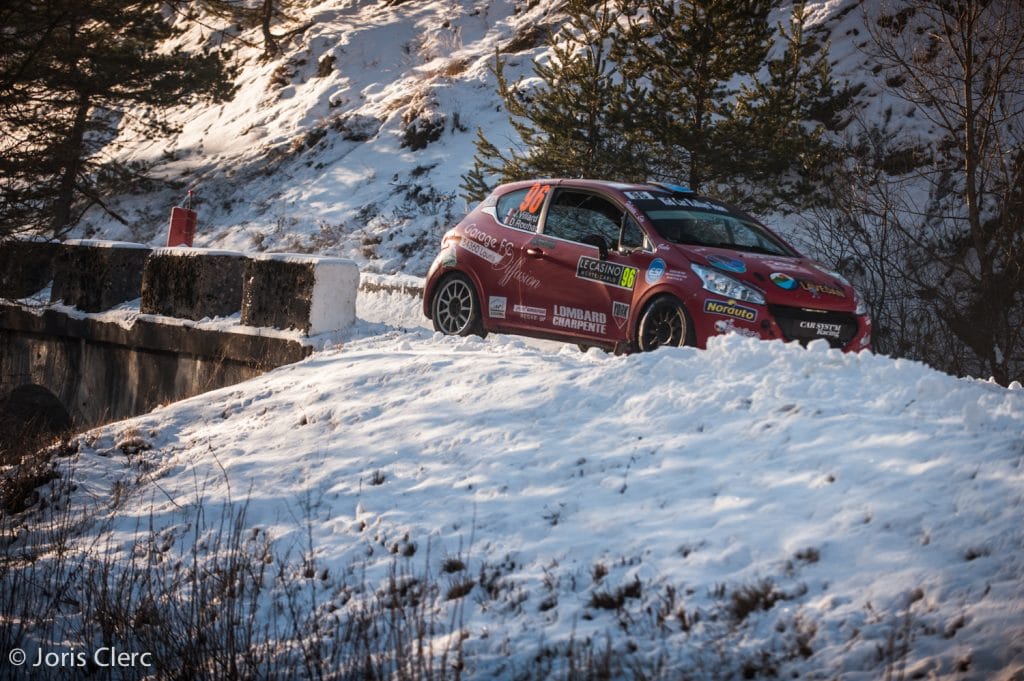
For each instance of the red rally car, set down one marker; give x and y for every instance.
(631, 267)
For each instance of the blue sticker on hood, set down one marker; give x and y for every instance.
(655, 271)
(727, 264)
(783, 281)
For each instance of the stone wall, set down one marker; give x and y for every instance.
(193, 283)
(308, 293)
(26, 266)
(313, 294)
(98, 275)
(103, 368)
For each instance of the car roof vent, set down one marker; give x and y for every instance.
(675, 188)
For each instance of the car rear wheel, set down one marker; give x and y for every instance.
(456, 307)
(663, 322)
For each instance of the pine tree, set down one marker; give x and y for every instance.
(262, 13)
(487, 163)
(774, 136)
(70, 72)
(577, 120)
(691, 51)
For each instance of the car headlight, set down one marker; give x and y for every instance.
(724, 285)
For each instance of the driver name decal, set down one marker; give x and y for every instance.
(610, 273)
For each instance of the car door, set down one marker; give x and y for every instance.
(509, 278)
(587, 294)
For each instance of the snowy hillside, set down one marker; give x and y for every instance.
(354, 141)
(751, 507)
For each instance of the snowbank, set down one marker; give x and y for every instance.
(865, 494)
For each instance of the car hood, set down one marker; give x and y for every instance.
(793, 281)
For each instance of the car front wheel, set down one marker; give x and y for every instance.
(663, 322)
(456, 307)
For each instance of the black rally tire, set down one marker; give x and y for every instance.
(455, 307)
(663, 322)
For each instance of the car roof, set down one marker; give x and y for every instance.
(621, 188)
(602, 184)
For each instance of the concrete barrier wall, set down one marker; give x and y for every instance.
(102, 371)
(26, 266)
(313, 294)
(98, 275)
(309, 293)
(192, 283)
(101, 368)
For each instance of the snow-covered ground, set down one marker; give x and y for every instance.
(865, 498)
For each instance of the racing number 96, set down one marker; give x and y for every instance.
(628, 277)
(534, 198)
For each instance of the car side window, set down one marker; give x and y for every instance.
(575, 215)
(513, 210)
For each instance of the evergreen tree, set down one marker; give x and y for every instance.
(774, 136)
(691, 52)
(577, 121)
(262, 13)
(70, 72)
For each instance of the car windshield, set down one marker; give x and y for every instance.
(719, 230)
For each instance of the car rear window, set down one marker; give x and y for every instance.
(514, 209)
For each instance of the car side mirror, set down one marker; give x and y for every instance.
(598, 241)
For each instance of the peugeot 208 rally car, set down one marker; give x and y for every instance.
(631, 267)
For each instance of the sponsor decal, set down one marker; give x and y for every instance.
(513, 271)
(791, 266)
(534, 314)
(639, 196)
(823, 328)
(620, 313)
(482, 237)
(691, 203)
(543, 242)
(676, 275)
(817, 289)
(637, 213)
(588, 321)
(610, 273)
(783, 280)
(481, 251)
(655, 271)
(496, 307)
(729, 326)
(484, 245)
(730, 309)
(727, 264)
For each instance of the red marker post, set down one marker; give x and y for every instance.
(182, 229)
